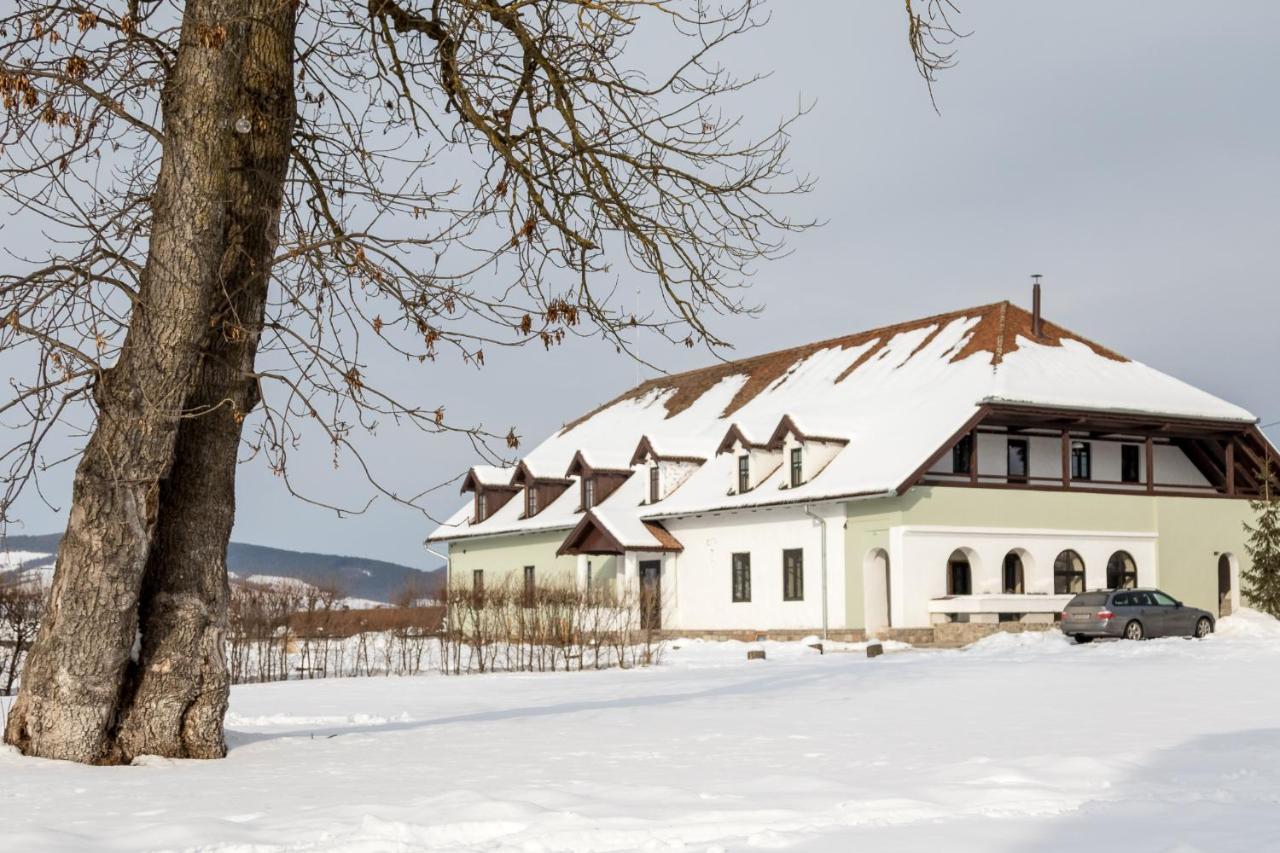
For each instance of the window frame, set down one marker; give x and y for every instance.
(477, 584)
(1067, 577)
(530, 501)
(1130, 455)
(797, 466)
(588, 492)
(1081, 460)
(482, 505)
(655, 485)
(1123, 574)
(741, 577)
(1025, 475)
(962, 455)
(744, 473)
(793, 574)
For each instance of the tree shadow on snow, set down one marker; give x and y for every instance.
(763, 684)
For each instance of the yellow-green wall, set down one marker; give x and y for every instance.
(504, 557)
(1190, 529)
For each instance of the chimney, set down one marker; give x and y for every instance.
(1037, 325)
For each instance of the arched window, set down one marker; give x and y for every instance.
(1068, 573)
(959, 575)
(1122, 571)
(1013, 575)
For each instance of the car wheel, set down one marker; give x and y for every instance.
(1203, 628)
(1082, 639)
(1133, 631)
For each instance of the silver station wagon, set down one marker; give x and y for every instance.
(1132, 614)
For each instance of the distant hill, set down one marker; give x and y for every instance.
(359, 577)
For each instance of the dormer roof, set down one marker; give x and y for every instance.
(488, 477)
(735, 435)
(580, 467)
(525, 475)
(668, 453)
(788, 425)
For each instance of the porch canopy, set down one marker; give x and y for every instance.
(601, 532)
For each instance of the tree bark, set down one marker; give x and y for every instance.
(176, 695)
(68, 702)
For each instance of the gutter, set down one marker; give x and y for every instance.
(822, 522)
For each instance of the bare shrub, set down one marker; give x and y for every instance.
(22, 603)
(550, 628)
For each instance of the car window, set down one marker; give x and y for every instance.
(1088, 599)
(1123, 599)
(1163, 600)
(1143, 599)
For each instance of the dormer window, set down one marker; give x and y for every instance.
(797, 469)
(530, 501)
(588, 492)
(744, 473)
(482, 502)
(654, 489)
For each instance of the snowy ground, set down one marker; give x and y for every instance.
(1019, 743)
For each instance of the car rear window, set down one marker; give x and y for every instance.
(1089, 599)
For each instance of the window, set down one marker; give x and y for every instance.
(1163, 600)
(959, 574)
(1128, 463)
(796, 469)
(744, 474)
(481, 506)
(1018, 460)
(1122, 571)
(589, 579)
(588, 492)
(477, 584)
(530, 501)
(1081, 460)
(530, 586)
(1068, 573)
(653, 485)
(962, 455)
(793, 574)
(741, 577)
(1013, 574)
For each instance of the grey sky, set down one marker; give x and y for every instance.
(1126, 151)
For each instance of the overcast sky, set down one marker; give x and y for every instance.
(1128, 152)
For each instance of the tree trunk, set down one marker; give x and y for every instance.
(72, 683)
(176, 695)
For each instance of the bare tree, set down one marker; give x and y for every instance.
(242, 196)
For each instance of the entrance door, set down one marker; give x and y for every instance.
(1224, 585)
(650, 595)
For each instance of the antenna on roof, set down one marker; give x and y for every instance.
(1037, 325)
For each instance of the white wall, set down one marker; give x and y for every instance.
(702, 596)
(918, 561)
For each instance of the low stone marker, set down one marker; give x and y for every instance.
(874, 650)
(755, 654)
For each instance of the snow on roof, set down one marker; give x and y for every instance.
(488, 475)
(897, 394)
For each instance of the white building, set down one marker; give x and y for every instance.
(977, 467)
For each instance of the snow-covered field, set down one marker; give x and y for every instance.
(1022, 742)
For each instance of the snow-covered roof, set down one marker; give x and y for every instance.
(895, 394)
(487, 475)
